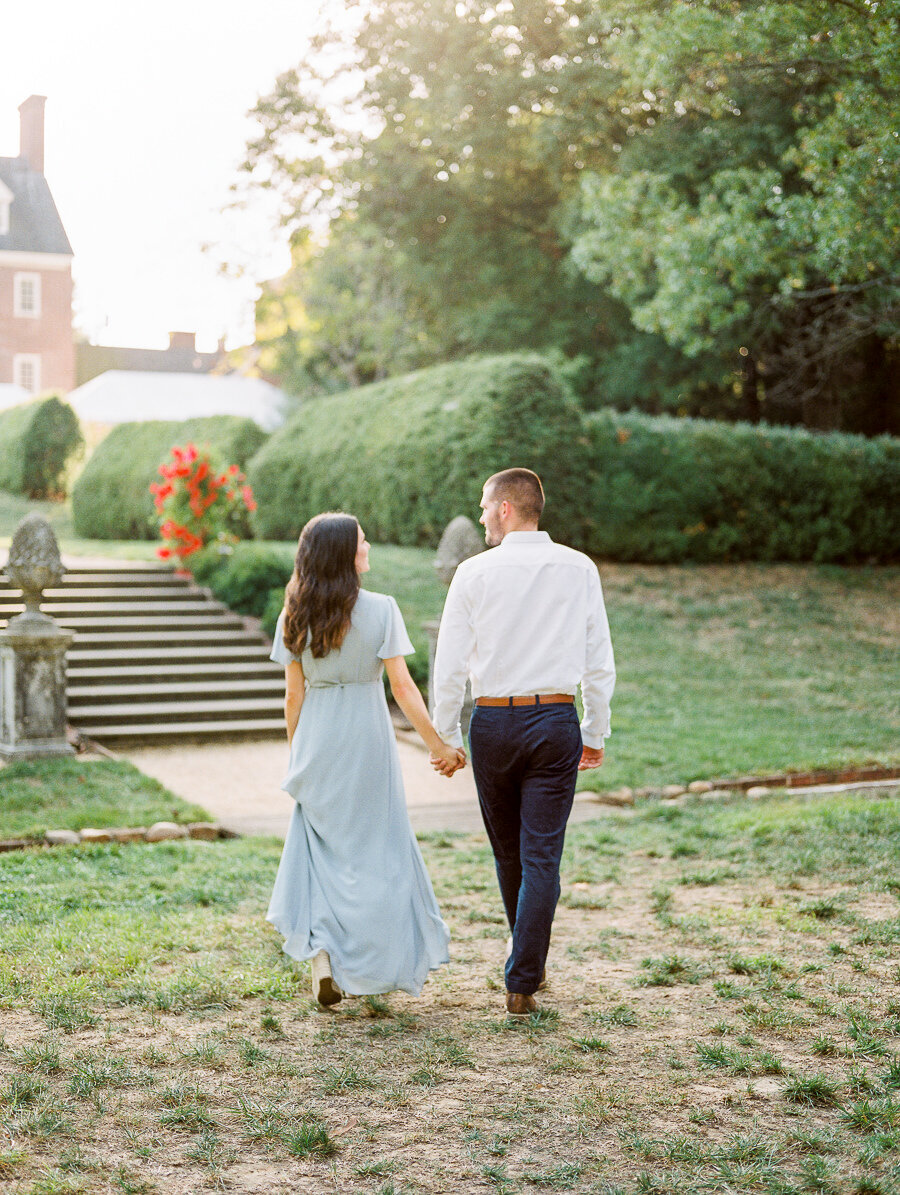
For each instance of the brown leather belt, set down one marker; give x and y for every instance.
(537, 699)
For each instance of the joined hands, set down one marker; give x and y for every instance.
(448, 761)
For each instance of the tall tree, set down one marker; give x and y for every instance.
(753, 210)
(459, 130)
(343, 315)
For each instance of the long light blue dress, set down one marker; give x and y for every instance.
(351, 878)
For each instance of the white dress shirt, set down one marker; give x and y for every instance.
(525, 617)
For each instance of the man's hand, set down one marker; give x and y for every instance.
(591, 757)
(445, 766)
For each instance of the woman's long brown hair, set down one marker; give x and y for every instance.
(324, 586)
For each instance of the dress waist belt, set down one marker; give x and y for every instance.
(340, 684)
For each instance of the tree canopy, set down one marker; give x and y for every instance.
(690, 202)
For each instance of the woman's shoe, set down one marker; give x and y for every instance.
(324, 989)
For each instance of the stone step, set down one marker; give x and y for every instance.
(173, 638)
(157, 610)
(118, 577)
(235, 672)
(150, 732)
(156, 657)
(216, 709)
(142, 626)
(135, 654)
(82, 694)
(176, 594)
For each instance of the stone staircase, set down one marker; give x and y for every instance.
(155, 659)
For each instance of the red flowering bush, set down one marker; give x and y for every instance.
(198, 501)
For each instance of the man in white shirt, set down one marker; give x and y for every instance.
(526, 623)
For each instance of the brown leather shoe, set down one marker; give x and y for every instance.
(520, 1007)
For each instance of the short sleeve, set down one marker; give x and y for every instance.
(279, 653)
(396, 641)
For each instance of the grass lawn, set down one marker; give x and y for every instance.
(37, 795)
(723, 1016)
(13, 509)
(728, 671)
(723, 671)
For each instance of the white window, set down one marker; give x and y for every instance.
(27, 371)
(27, 295)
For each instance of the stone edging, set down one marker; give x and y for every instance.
(751, 786)
(158, 832)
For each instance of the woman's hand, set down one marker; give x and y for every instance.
(447, 759)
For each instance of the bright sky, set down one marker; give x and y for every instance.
(145, 127)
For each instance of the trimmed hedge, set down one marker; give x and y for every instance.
(37, 442)
(663, 490)
(112, 500)
(408, 454)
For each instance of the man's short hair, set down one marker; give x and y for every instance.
(520, 488)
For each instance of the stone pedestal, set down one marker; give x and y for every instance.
(33, 651)
(33, 688)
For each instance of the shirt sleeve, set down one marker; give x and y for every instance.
(599, 677)
(279, 653)
(456, 638)
(396, 640)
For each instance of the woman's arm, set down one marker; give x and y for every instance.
(294, 692)
(407, 696)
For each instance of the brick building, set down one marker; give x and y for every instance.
(181, 356)
(36, 345)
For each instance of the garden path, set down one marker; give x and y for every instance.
(238, 783)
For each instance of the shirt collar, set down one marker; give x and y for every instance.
(514, 538)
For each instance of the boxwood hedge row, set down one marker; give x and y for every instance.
(408, 454)
(37, 442)
(665, 489)
(112, 500)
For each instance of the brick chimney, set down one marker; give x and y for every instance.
(183, 340)
(31, 132)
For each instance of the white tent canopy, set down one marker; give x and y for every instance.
(132, 396)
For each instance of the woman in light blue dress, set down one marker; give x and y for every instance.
(352, 893)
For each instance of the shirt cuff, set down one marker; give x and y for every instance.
(592, 739)
(453, 737)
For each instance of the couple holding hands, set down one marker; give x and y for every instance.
(527, 625)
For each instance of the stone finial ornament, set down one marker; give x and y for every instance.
(34, 562)
(461, 539)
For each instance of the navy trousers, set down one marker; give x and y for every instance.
(525, 761)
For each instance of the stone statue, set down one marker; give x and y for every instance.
(33, 651)
(461, 539)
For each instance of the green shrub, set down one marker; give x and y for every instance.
(662, 490)
(244, 578)
(273, 607)
(407, 455)
(112, 500)
(37, 442)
